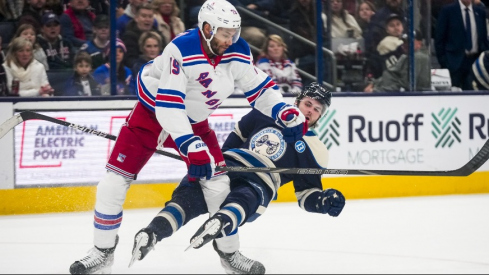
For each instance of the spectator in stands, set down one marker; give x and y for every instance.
(302, 17)
(128, 15)
(143, 21)
(343, 24)
(77, 22)
(125, 84)
(28, 31)
(276, 64)
(396, 77)
(151, 45)
(101, 38)
(461, 36)
(10, 10)
(82, 82)
(391, 47)
(21, 66)
(32, 13)
(59, 51)
(377, 24)
(3, 76)
(364, 13)
(166, 13)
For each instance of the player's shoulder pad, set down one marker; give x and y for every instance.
(187, 43)
(318, 149)
(241, 46)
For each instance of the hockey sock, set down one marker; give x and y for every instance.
(232, 214)
(168, 221)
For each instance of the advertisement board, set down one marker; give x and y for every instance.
(429, 133)
(50, 154)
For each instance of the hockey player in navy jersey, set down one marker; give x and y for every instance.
(257, 141)
(177, 92)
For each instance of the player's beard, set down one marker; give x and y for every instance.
(215, 48)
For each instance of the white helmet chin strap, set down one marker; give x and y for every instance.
(208, 40)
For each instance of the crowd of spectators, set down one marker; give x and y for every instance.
(66, 42)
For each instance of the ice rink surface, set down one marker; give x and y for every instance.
(442, 235)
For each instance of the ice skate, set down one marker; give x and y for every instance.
(144, 242)
(210, 230)
(98, 261)
(237, 263)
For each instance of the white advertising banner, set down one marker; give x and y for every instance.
(51, 154)
(429, 133)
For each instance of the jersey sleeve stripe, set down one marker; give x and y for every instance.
(254, 94)
(184, 141)
(170, 99)
(144, 95)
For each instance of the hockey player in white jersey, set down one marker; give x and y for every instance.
(177, 92)
(257, 142)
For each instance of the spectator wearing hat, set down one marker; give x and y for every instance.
(125, 84)
(77, 22)
(395, 78)
(100, 41)
(377, 22)
(460, 37)
(389, 49)
(142, 22)
(59, 51)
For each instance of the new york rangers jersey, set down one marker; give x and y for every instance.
(257, 141)
(184, 86)
(283, 73)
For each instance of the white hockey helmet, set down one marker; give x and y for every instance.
(219, 14)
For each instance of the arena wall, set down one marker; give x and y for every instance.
(432, 132)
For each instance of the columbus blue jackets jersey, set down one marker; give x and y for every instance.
(257, 141)
(183, 85)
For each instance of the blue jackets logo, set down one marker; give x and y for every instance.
(268, 142)
(300, 146)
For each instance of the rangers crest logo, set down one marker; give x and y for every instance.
(121, 157)
(268, 142)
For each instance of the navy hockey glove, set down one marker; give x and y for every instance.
(331, 202)
(201, 161)
(294, 123)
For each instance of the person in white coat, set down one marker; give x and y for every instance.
(166, 14)
(21, 66)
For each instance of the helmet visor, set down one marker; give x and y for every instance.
(229, 35)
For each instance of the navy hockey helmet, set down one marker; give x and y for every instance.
(318, 92)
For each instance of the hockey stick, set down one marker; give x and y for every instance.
(28, 115)
(475, 163)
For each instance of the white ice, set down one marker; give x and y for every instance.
(440, 234)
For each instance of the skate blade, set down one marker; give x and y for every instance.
(201, 236)
(135, 254)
